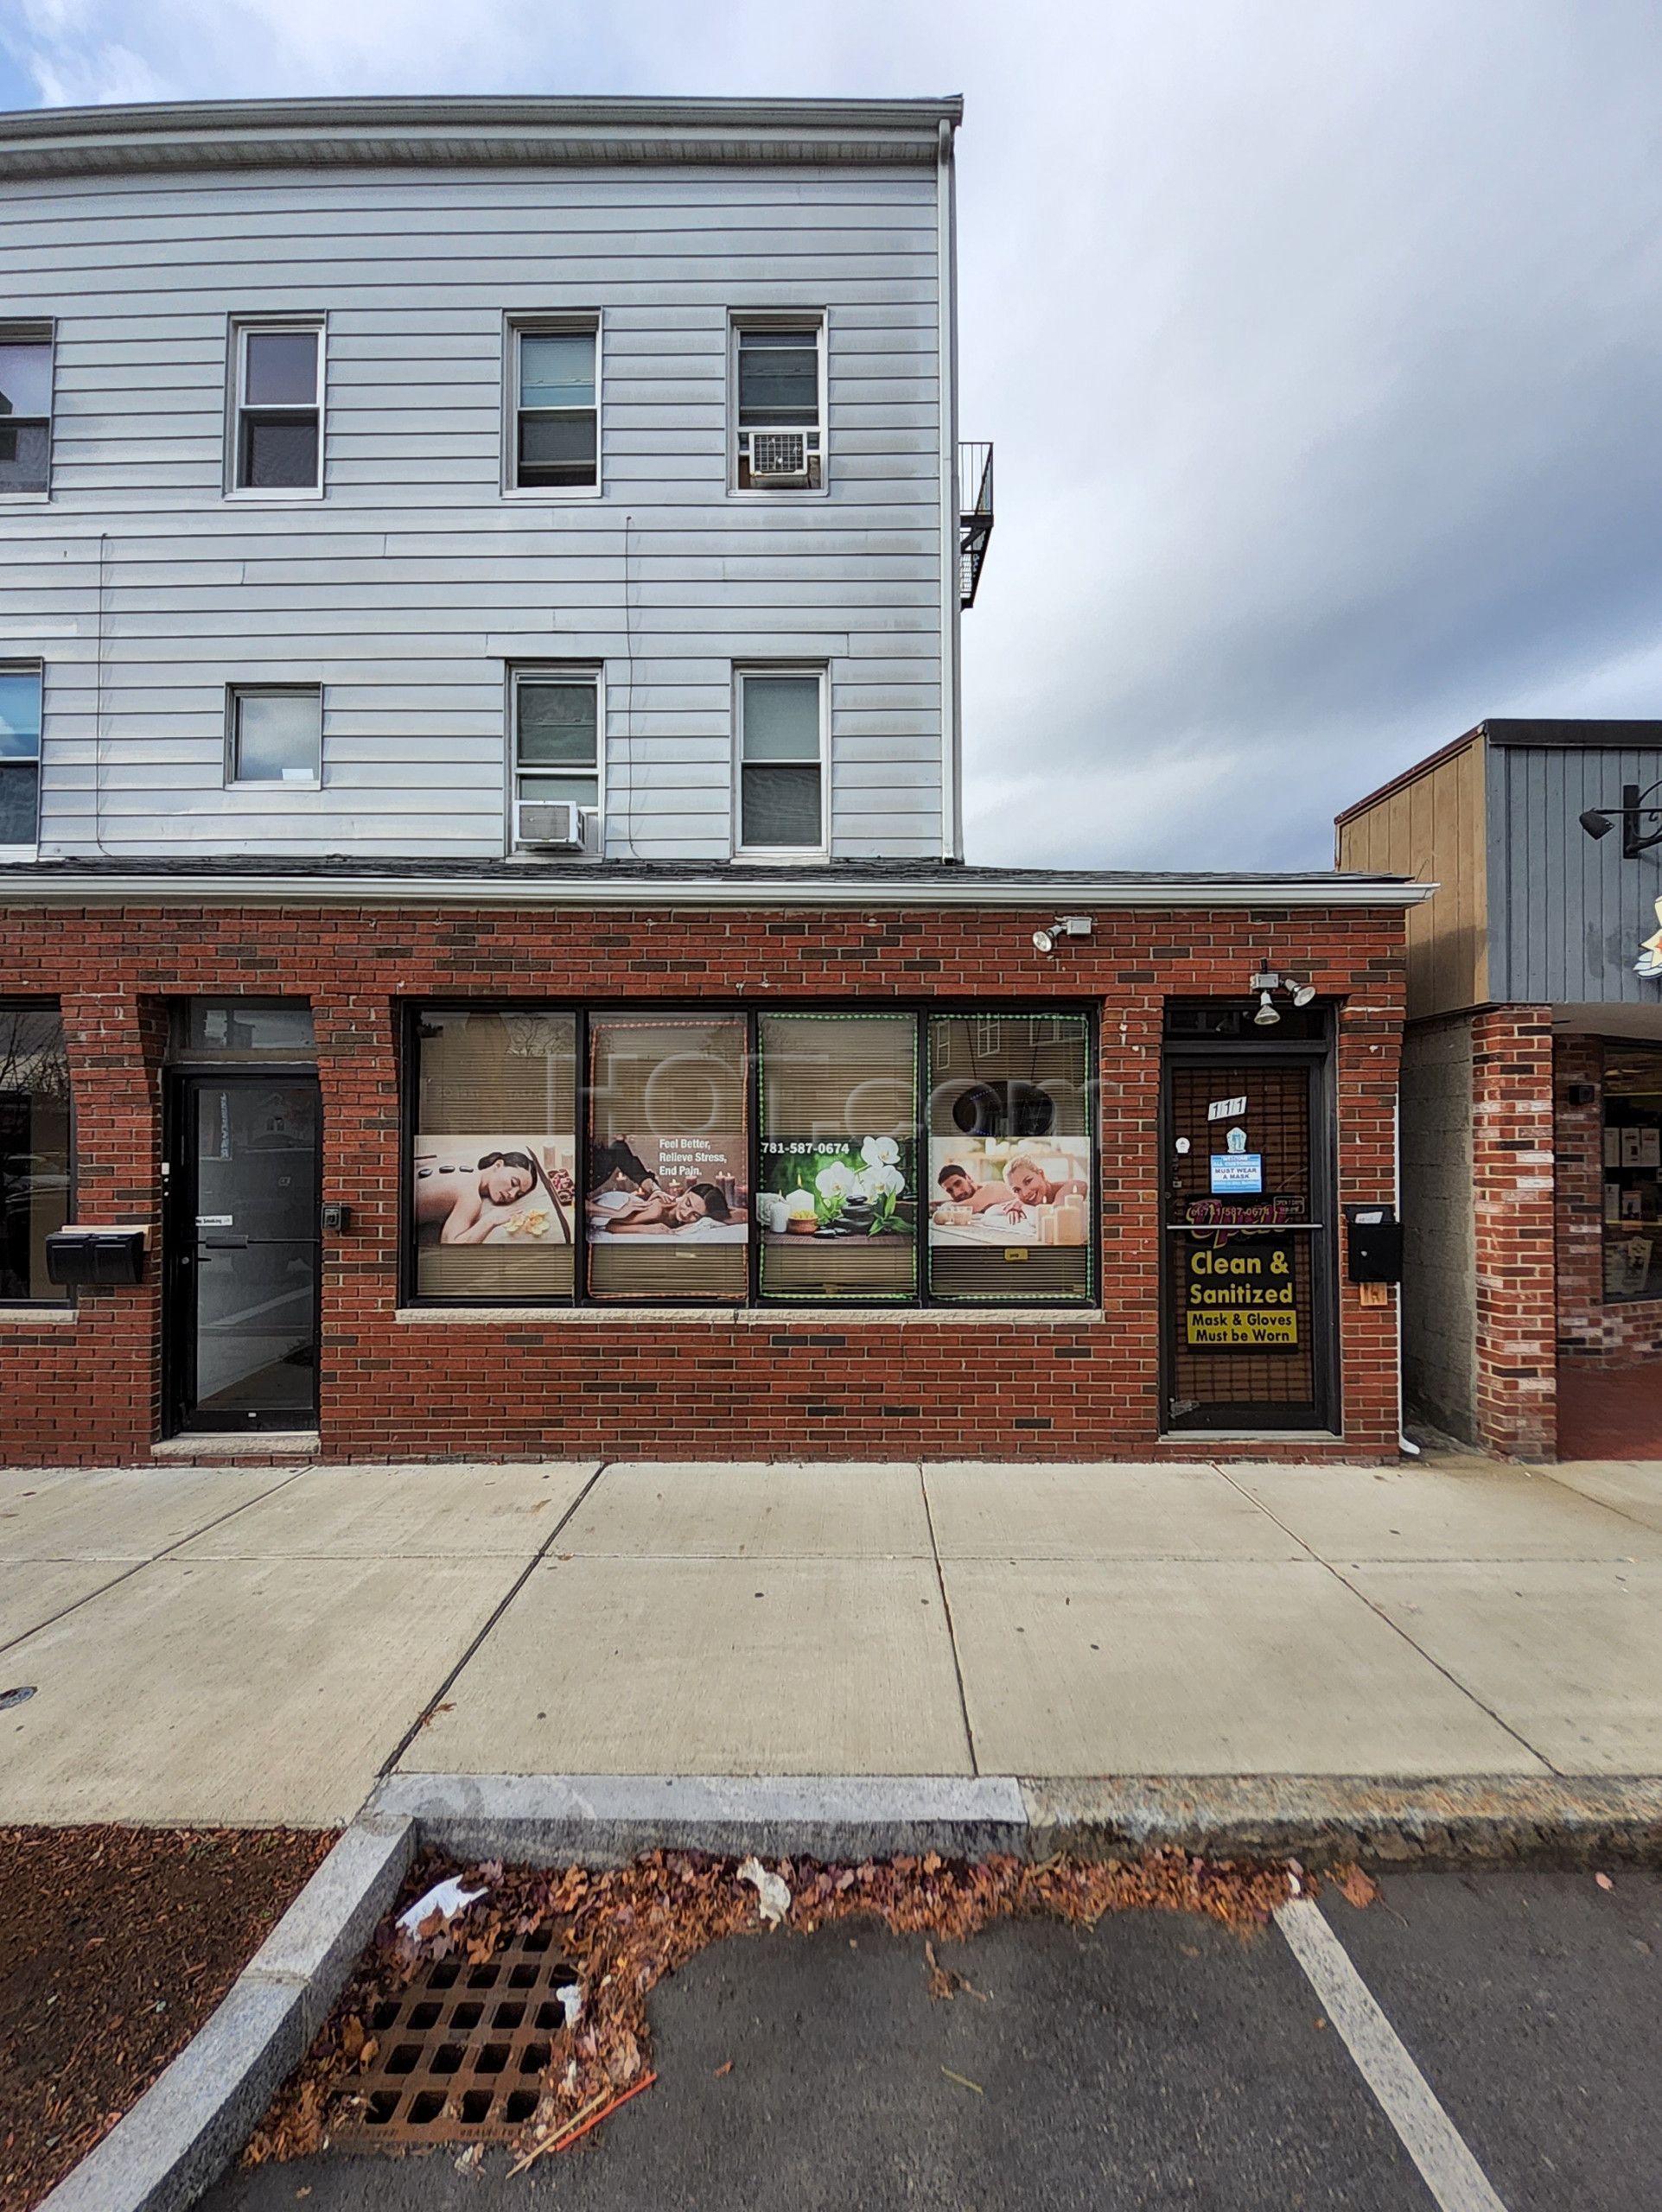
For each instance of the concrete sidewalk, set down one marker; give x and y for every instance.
(247, 1644)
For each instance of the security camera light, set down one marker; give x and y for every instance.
(1043, 940)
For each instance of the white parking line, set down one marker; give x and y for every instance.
(1429, 2136)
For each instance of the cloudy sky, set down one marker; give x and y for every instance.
(1322, 343)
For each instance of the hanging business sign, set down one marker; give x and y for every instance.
(1649, 963)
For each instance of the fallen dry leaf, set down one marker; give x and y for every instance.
(1604, 1881)
(1356, 1888)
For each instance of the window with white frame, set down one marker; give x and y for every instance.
(781, 716)
(556, 436)
(556, 766)
(780, 387)
(278, 427)
(25, 408)
(20, 755)
(275, 733)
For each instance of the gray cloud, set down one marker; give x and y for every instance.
(1320, 343)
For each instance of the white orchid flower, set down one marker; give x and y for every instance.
(882, 1179)
(834, 1180)
(879, 1151)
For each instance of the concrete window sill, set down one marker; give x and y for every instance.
(38, 1317)
(759, 1317)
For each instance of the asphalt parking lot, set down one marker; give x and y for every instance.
(1157, 2062)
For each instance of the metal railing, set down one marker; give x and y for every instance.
(974, 516)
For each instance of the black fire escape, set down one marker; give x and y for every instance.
(974, 516)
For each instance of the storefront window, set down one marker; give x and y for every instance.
(1633, 1174)
(836, 1202)
(34, 1156)
(797, 1157)
(493, 1159)
(668, 1190)
(1010, 1187)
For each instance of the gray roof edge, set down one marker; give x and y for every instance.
(23, 886)
(151, 133)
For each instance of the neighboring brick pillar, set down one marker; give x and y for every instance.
(358, 1074)
(1512, 1197)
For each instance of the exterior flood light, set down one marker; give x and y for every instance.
(1266, 1017)
(1064, 926)
(1303, 994)
(1596, 824)
(1043, 940)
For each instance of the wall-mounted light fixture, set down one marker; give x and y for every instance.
(1597, 823)
(1266, 983)
(1064, 926)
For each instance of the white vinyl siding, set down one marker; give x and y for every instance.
(412, 588)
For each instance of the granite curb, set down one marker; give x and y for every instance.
(192, 2121)
(604, 1819)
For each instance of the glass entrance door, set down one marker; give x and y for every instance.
(1248, 1247)
(244, 1247)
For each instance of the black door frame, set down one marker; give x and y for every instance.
(1318, 1057)
(179, 1249)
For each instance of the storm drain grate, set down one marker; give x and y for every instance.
(463, 2053)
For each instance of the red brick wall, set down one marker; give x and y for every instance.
(1512, 1191)
(813, 1385)
(1590, 1333)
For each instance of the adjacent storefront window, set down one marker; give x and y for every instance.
(1011, 1147)
(1633, 1174)
(855, 1156)
(34, 1154)
(493, 1167)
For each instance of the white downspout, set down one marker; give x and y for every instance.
(951, 781)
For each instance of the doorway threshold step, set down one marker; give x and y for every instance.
(237, 1444)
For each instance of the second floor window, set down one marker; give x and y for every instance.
(779, 434)
(279, 408)
(25, 410)
(781, 749)
(556, 756)
(555, 419)
(276, 734)
(20, 756)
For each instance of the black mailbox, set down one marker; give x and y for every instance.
(82, 1258)
(1374, 1242)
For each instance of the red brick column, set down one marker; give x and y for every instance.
(357, 1078)
(1512, 1196)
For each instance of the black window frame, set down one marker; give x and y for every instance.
(585, 1011)
(65, 1300)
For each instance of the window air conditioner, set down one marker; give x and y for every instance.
(779, 456)
(553, 822)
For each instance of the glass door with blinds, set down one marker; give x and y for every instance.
(1249, 1290)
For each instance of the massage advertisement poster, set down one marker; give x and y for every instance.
(506, 1189)
(1010, 1191)
(695, 1190)
(837, 1188)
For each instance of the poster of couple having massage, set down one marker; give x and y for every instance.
(1005, 1191)
(694, 1189)
(511, 1190)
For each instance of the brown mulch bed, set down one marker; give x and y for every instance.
(625, 1930)
(116, 1944)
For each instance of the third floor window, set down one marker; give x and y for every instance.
(25, 410)
(555, 417)
(779, 443)
(279, 408)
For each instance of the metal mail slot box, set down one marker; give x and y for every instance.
(1374, 1245)
(77, 1256)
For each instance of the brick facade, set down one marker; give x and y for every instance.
(787, 1384)
(1590, 1333)
(1512, 1197)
